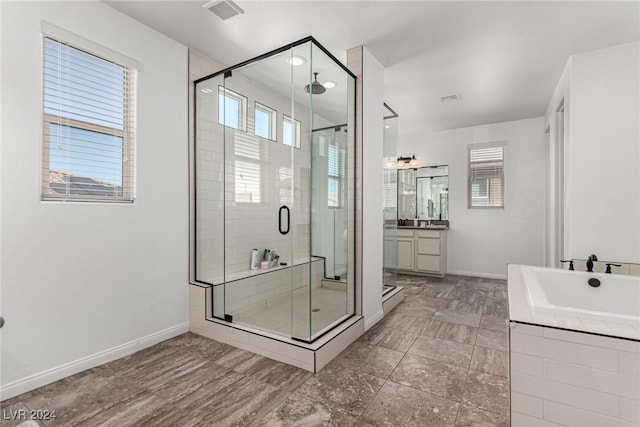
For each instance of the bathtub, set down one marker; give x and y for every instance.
(574, 350)
(567, 293)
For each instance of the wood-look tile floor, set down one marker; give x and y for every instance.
(439, 358)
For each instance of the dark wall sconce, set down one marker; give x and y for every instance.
(404, 162)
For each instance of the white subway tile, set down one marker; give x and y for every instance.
(592, 340)
(571, 416)
(630, 410)
(602, 403)
(592, 378)
(629, 363)
(565, 351)
(525, 364)
(522, 420)
(526, 404)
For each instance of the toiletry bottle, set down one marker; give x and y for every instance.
(254, 259)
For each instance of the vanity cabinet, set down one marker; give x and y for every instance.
(422, 251)
(405, 250)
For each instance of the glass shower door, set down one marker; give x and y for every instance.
(274, 226)
(258, 212)
(332, 140)
(297, 130)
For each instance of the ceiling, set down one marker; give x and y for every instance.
(503, 58)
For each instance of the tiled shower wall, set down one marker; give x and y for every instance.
(245, 297)
(241, 226)
(244, 225)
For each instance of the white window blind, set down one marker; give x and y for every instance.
(248, 170)
(486, 176)
(335, 175)
(88, 126)
(247, 182)
(390, 195)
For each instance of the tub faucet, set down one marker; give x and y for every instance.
(609, 264)
(590, 260)
(570, 261)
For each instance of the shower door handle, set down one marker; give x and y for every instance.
(280, 220)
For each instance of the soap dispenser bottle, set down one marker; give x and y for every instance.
(254, 259)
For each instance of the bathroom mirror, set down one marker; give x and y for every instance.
(423, 193)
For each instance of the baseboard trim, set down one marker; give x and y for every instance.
(372, 320)
(48, 376)
(478, 274)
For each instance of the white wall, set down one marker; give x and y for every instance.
(83, 283)
(603, 154)
(370, 98)
(372, 186)
(481, 242)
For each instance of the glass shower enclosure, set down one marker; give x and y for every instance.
(390, 199)
(274, 191)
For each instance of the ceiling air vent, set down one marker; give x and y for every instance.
(224, 9)
(450, 98)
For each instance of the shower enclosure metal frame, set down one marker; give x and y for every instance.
(390, 225)
(349, 179)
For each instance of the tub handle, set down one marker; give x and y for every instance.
(570, 261)
(609, 264)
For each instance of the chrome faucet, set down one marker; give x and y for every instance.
(590, 260)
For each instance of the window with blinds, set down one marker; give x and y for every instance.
(390, 189)
(486, 176)
(335, 176)
(248, 170)
(88, 126)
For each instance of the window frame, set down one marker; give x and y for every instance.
(242, 108)
(273, 120)
(296, 143)
(72, 41)
(500, 176)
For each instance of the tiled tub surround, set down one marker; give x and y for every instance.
(565, 371)
(413, 368)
